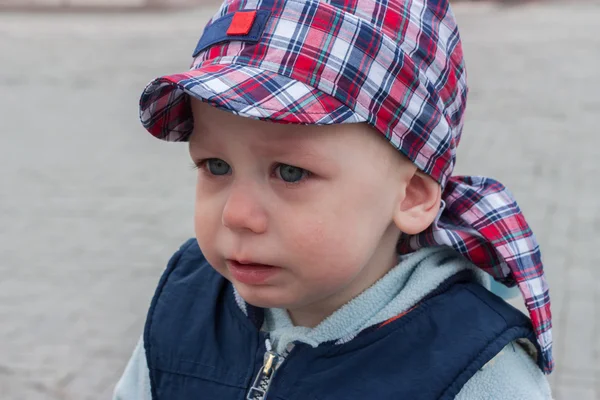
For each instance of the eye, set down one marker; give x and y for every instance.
(290, 174)
(216, 166)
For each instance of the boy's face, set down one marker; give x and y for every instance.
(296, 217)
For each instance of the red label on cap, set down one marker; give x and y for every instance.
(241, 24)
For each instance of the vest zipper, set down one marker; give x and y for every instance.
(271, 363)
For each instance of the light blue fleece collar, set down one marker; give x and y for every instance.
(415, 276)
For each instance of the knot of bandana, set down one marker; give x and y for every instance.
(481, 220)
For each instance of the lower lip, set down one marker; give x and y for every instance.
(251, 274)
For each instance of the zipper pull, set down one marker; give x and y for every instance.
(259, 389)
(271, 358)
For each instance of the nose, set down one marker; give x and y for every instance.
(243, 210)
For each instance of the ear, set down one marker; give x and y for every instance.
(419, 206)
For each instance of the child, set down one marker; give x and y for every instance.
(336, 257)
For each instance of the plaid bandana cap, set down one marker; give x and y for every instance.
(397, 65)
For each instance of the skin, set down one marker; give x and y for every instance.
(330, 232)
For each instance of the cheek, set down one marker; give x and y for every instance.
(207, 220)
(332, 245)
(341, 233)
(208, 208)
(204, 219)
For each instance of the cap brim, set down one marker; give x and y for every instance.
(246, 91)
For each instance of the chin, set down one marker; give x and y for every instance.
(263, 297)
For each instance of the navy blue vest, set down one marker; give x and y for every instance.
(201, 345)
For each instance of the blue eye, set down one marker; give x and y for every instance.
(290, 174)
(217, 166)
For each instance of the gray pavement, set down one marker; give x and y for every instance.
(91, 207)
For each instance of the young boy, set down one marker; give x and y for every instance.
(336, 257)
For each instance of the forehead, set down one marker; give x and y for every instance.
(214, 125)
(358, 141)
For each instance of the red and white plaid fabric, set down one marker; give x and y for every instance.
(397, 65)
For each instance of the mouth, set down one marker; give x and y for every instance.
(248, 263)
(250, 272)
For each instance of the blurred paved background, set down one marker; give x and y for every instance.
(91, 207)
(87, 5)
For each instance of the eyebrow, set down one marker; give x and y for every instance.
(281, 145)
(292, 146)
(287, 147)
